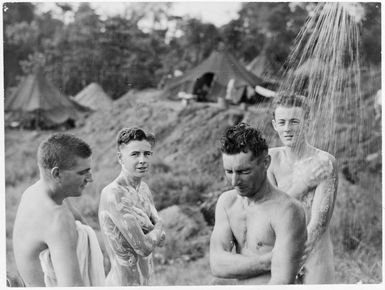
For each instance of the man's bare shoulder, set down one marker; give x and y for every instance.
(112, 192)
(287, 206)
(35, 206)
(324, 155)
(228, 198)
(276, 151)
(281, 201)
(276, 154)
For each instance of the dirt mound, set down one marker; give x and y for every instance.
(187, 235)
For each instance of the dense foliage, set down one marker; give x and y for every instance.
(140, 47)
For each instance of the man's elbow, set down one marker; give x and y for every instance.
(281, 281)
(70, 283)
(146, 247)
(217, 270)
(144, 252)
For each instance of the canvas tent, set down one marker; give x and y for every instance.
(93, 97)
(38, 101)
(311, 67)
(210, 80)
(264, 68)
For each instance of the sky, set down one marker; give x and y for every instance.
(218, 12)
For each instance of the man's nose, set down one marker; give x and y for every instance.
(141, 158)
(287, 127)
(89, 177)
(234, 179)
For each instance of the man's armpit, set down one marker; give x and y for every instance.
(229, 245)
(124, 253)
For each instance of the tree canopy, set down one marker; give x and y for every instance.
(139, 47)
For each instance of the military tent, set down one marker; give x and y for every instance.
(210, 80)
(39, 102)
(93, 97)
(311, 67)
(265, 68)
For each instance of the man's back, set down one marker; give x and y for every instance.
(37, 220)
(28, 238)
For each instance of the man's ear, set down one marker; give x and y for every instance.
(274, 124)
(267, 161)
(119, 154)
(55, 173)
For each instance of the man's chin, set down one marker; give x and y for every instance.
(77, 194)
(289, 143)
(141, 174)
(241, 192)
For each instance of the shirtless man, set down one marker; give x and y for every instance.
(309, 175)
(42, 221)
(128, 219)
(259, 232)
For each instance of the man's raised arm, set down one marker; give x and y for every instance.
(290, 231)
(126, 220)
(322, 209)
(224, 263)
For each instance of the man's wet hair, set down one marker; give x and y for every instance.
(291, 100)
(243, 138)
(126, 135)
(61, 150)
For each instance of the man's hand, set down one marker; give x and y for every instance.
(310, 172)
(142, 219)
(140, 216)
(162, 239)
(306, 253)
(156, 235)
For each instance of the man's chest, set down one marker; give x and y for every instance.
(284, 176)
(251, 226)
(283, 173)
(139, 199)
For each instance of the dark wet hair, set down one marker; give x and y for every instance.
(286, 100)
(60, 150)
(243, 138)
(127, 135)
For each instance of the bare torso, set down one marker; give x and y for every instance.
(32, 224)
(319, 266)
(252, 229)
(127, 266)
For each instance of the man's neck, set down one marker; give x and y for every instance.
(263, 193)
(298, 151)
(51, 191)
(130, 180)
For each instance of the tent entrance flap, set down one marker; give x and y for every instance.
(203, 85)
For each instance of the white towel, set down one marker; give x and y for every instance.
(89, 255)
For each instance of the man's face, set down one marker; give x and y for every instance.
(75, 179)
(245, 172)
(135, 158)
(290, 123)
